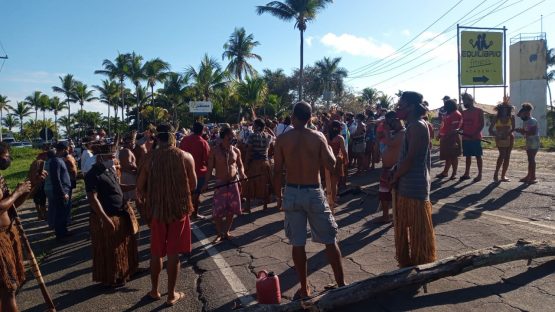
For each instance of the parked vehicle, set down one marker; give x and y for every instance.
(22, 144)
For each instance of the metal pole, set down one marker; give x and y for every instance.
(459, 62)
(504, 62)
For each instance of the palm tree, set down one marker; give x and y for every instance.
(135, 73)
(155, 70)
(108, 95)
(207, 78)
(175, 87)
(4, 106)
(34, 101)
(57, 106)
(238, 49)
(81, 95)
(44, 105)
(550, 74)
(253, 92)
(68, 84)
(370, 95)
(67, 122)
(385, 101)
(117, 70)
(302, 11)
(331, 75)
(10, 122)
(22, 110)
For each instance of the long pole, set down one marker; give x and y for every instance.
(459, 62)
(504, 62)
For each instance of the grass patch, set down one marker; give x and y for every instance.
(21, 161)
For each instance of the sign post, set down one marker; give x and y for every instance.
(482, 57)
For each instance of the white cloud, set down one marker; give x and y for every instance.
(405, 32)
(308, 40)
(358, 46)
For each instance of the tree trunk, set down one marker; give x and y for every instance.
(138, 107)
(152, 102)
(1, 126)
(122, 98)
(109, 132)
(68, 116)
(301, 70)
(56, 125)
(337, 299)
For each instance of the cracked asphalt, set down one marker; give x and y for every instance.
(466, 216)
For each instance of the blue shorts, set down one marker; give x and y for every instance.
(308, 204)
(472, 148)
(200, 184)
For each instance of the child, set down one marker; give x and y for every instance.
(529, 129)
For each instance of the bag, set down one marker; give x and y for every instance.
(132, 219)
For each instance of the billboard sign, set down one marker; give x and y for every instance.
(202, 107)
(482, 58)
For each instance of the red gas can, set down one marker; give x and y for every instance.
(267, 288)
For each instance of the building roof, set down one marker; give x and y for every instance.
(487, 108)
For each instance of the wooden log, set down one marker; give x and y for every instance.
(416, 275)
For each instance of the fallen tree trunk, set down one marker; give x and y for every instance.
(417, 275)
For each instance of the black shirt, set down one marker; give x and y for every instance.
(104, 183)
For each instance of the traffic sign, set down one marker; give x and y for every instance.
(481, 58)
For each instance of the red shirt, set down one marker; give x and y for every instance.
(471, 124)
(451, 122)
(199, 148)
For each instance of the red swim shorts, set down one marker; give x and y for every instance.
(173, 238)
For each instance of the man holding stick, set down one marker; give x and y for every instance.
(12, 272)
(226, 159)
(302, 152)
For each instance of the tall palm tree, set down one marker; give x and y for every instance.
(301, 11)
(67, 122)
(331, 75)
(155, 70)
(33, 100)
(57, 106)
(238, 49)
(385, 101)
(117, 70)
(207, 78)
(22, 110)
(4, 106)
(253, 92)
(10, 122)
(175, 87)
(370, 95)
(135, 73)
(81, 95)
(44, 105)
(550, 74)
(109, 95)
(68, 84)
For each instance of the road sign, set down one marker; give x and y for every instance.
(481, 58)
(200, 107)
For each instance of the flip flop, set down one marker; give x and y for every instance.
(476, 179)
(462, 178)
(298, 295)
(505, 180)
(180, 295)
(532, 181)
(330, 286)
(228, 237)
(453, 178)
(217, 240)
(525, 180)
(441, 176)
(149, 297)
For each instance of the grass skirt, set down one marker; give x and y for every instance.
(12, 272)
(414, 232)
(260, 186)
(115, 257)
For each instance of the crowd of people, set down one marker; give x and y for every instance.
(301, 161)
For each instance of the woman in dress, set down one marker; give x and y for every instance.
(337, 144)
(502, 127)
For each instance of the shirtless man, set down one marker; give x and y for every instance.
(226, 159)
(394, 135)
(128, 164)
(302, 152)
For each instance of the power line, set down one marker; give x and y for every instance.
(369, 72)
(420, 64)
(533, 22)
(410, 41)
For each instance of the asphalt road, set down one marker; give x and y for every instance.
(466, 216)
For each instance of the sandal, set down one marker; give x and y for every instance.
(464, 177)
(477, 179)
(150, 297)
(180, 295)
(505, 180)
(298, 295)
(441, 176)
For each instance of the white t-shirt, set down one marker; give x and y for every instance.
(282, 128)
(87, 161)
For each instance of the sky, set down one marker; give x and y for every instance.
(45, 39)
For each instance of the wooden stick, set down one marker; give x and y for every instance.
(34, 265)
(336, 299)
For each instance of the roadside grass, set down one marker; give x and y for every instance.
(21, 161)
(546, 143)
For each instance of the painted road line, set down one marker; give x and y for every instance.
(232, 279)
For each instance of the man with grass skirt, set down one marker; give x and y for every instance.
(12, 272)
(112, 222)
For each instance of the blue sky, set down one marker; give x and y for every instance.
(46, 39)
